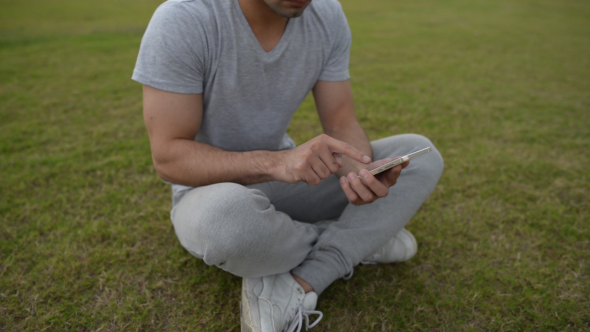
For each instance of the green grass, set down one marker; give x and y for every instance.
(501, 87)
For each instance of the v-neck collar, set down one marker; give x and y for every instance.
(278, 47)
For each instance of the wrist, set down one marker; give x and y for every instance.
(270, 164)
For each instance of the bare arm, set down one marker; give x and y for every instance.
(335, 107)
(173, 120)
(336, 110)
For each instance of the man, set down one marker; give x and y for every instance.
(222, 79)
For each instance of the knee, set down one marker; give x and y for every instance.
(416, 142)
(215, 223)
(223, 206)
(435, 162)
(431, 164)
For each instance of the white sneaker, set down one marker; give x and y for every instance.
(400, 248)
(276, 303)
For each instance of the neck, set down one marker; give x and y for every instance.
(261, 17)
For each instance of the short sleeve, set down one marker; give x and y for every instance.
(336, 67)
(172, 52)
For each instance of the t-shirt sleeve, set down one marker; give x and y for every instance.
(172, 52)
(336, 67)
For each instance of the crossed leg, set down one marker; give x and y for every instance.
(312, 231)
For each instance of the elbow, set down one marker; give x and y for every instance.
(163, 169)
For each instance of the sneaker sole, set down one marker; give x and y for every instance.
(245, 323)
(415, 245)
(402, 236)
(245, 328)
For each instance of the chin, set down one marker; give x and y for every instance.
(293, 15)
(290, 12)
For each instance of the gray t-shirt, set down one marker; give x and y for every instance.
(249, 95)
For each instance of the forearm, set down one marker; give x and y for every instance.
(191, 163)
(336, 110)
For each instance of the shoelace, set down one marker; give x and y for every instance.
(297, 321)
(368, 263)
(349, 274)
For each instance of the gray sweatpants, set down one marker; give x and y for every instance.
(312, 231)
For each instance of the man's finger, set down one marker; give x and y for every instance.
(329, 160)
(338, 159)
(392, 175)
(337, 146)
(312, 179)
(380, 189)
(351, 195)
(364, 193)
(320, 168)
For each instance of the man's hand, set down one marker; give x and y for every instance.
(369, 188)
(316, 160)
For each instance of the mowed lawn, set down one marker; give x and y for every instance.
(501, 87)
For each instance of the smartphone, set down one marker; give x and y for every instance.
(399, 161)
